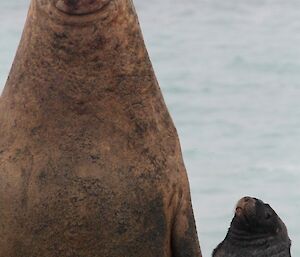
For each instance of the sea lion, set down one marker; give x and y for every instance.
(256, 230)
(90, 161)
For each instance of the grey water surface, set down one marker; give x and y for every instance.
(230, 74)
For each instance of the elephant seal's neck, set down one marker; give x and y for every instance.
(60, 64)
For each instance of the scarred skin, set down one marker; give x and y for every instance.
(255, 231)
(90, 162)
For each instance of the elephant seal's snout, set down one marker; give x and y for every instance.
(81, 7)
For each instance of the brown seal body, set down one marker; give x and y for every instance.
(256, 230)
(90, 162)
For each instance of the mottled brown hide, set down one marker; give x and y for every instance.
(90, 162)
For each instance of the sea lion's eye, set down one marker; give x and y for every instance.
(268, 216)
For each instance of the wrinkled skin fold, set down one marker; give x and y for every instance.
(81, 7)
(90, 162)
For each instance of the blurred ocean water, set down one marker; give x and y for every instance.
(230, 73)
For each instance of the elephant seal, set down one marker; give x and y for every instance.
(90, 161)
(256, 230)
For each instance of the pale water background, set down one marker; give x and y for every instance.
(230, 73)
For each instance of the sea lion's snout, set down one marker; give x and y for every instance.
(81, 7)
(245, 205)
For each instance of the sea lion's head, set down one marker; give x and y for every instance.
(255, 217)
(255, 230)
